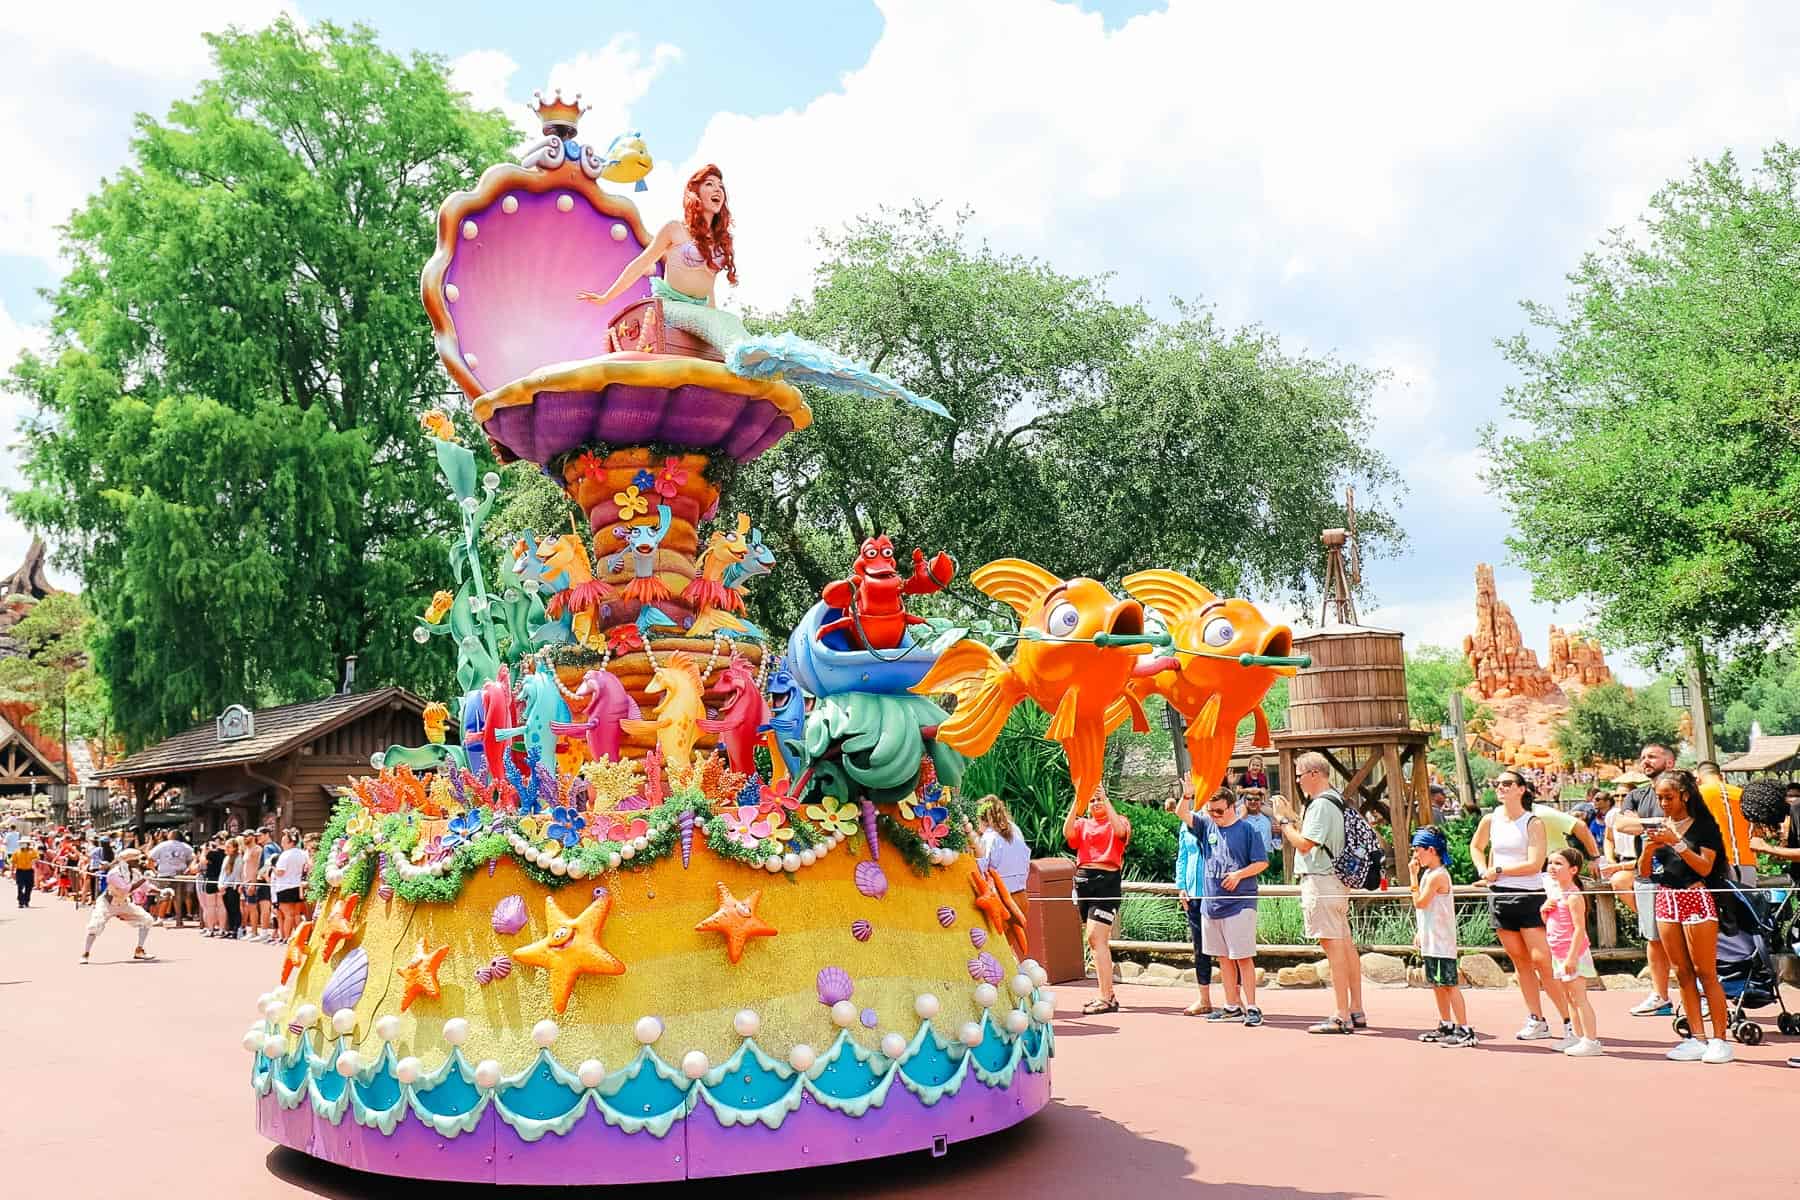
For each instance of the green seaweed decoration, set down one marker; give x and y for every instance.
(865, 745)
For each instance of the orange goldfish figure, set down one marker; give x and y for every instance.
(724, 549)
(676, 722)
(1202, 679)
(1055, 664)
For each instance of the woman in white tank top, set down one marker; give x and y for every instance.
(1516, 840)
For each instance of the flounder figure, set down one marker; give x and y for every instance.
(627, 160)
(1214, 694)
(1080, 683)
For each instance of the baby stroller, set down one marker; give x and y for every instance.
(1747, 961)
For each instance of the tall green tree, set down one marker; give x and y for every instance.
(1652, 466)
(1759, 687)
(225, 446)
(1432, 673)
(1086, 435)
(52, 671)
(1611, 723)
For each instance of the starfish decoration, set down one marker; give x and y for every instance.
(572, 948)
(737, 921)
(421, 973)
(296, 950)
(996, 904)
(338, 929)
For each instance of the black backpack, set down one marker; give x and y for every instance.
(1358, 863)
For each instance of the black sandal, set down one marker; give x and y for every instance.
(1097, 1007)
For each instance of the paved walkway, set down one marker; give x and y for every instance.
(129, 1078)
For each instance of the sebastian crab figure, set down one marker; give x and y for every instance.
(875, 616)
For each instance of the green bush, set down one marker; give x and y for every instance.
(1031, 774)
(1155, 836)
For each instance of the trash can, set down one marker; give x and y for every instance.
(1053, 928)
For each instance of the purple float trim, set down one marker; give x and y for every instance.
(628, 415)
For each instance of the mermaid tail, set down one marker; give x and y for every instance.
(783, 355)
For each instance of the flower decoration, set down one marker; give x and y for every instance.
(590, 466)
(778, 800)
(923, 808)
(779, 829)
(833, 816)
(465, 826)
(632, 503)
(643, 481)
(932, 831)
(359, 823)
(531, 829)
(622, 829)
(566, 825)
(670, 479)
(623, 639)
(745, 827)
(439, 607)
(436, 423)
(437, 850)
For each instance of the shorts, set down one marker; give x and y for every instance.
(1097, 894)
(1685, 906)
(1645, 893)
(257, 893)
(1324, 907)
(1514, 909)
(1584, 968)
(1233, 936)
(288, 896)
(1439, 972)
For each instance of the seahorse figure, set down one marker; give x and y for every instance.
(605, 703)
(741, 716)
(642, 544)
(724, 549)
(675, 723)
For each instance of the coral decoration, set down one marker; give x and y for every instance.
(655, 785)
(338, 927)
(872, 599)
(436, 423)
(296, 949)
(996, 905)
(420, 973)
(572, 948)
(676, 722)
(610, 781)
(737, 922)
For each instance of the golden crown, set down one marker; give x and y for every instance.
(559, 115)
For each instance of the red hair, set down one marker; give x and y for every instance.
(712, 238)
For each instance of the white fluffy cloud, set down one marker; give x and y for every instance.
(611, 79)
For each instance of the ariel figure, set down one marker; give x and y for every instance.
(693, 252)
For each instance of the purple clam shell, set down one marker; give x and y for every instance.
(861, 930)
(834, 985)
(509, 915)
(946, 916)
(869, 1019)
(345, 987)
(978, 936)
(870, 880)
(385, 890)
(985, 966)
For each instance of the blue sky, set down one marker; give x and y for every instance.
(1383, 183)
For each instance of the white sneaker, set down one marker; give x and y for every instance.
(1718, 1050)
(1585, 1048)
(1650, 1006)
(1689, 1050)
(1533, 1029)
(1569, 1039)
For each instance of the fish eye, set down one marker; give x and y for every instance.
(1062, 619)
(1218, 632)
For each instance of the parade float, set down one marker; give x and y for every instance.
(662, 895)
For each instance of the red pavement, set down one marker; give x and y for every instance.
(129, 1078)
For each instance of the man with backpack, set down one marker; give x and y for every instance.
(1318, 840)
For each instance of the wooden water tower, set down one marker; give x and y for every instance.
(1350, 705)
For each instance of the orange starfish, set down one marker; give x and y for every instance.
(572, 948)
(296, 950)
(737, 921)
(337, 926)
(421, 973)
(997, 905)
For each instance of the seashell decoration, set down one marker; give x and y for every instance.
(870, 880)
(946, 916)
(345, 987)
(861, 930)
(510, 915)
(834, 985)
(499, 968)
(385, 890)
(978, 936)
(985, 967)
(868, 1018)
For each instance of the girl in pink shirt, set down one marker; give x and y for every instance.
(1572, 962)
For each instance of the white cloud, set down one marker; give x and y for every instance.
(611, 79)
(17, 339)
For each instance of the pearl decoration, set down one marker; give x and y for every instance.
(808, 858)
(407, 1069)
(456, 1031)
(893, 1045)
(333, 876)
(628, 851)
(612, 861)
(1017, 1022)
(694, 1064)
(801, 1057)
(388, 1028)
(1048, 998)
(746, 1023)
(987, 995)
(487, 1073)
(926, 1006)
(1039, 976)
(772, 865)
(253, 1040)
(558, 866)
(509, 205)
(473, 363)
(348, 1064)
(790, 861)
(452, 292)
(1020, 986)
(565, 203)
(843, 1014)
(306, 1014)
(1027, 966)
(641, 842)
(591, 1072)
(469, 230)
(1043, 1012)
(969, 1035)
(343, 1020)
(648, 1029)
(544, 1032)
(273, 1047)
(618, 231)
(577, 871)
